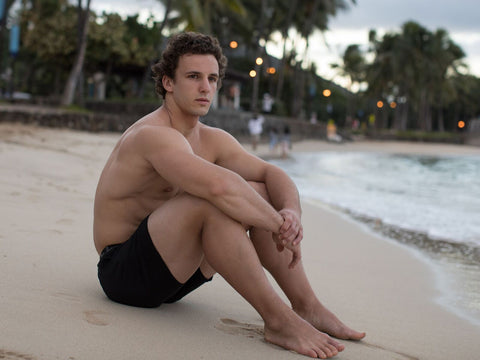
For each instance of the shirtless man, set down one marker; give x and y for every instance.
(176, 197)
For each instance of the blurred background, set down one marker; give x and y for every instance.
(364, 66)
(336, 70)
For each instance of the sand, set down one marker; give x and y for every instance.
(52, 307)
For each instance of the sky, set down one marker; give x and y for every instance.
(460, 18)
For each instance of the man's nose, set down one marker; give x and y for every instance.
(205, 85)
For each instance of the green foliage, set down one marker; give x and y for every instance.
(420, 69)
(49, 31)
(107, 40)
(417, 66)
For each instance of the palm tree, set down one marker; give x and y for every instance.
(73, 79)
(414, 66)
(353, 67)
(313, 16)
(199, 15)
(285, 37)
(158, 47)
(445, 58)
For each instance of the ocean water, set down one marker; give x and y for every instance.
(429, 203)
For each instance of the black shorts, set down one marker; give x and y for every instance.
(134, 273)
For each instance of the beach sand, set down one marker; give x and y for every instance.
(52, 306)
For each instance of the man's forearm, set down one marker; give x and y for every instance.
(282, 191)
(241, 202)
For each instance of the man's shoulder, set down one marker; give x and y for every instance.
(142, 129)
(213, 134)
(147, 137)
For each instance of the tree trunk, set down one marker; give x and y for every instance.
(422, 124)
(428, 117)
(259, 52)
(74, 76)
(441, 120)
(4, 44)
(281, 70)
(299, 72)
(148, 69)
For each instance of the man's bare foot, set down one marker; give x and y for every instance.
(298, 335)
(324, 320)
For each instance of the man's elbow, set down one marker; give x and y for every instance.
(218, 188)
(223, 187)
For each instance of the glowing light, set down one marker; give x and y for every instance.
(271, 70)
(393, 104)
(252, 73)
(461, 124)
(259, 61)
(327, 92)
(380, 104)
(233, 44)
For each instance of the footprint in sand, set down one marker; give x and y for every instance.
(233, 327)
(66, 296)
(65, 221)
(398, 353)
(96, 317)
(13, 355)
(252, 331)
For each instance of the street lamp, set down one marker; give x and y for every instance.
(327, 92)
(233, 44)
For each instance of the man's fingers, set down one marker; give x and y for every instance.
(296, 256)
(285, 226)
(298, 238)
(292, 235)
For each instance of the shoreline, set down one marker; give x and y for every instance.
(378, 146)
(456, 264)
(452, 262)
(53, 306)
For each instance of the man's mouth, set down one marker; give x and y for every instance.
(203, 101)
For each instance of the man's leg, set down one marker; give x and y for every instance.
(295, 284)
(185, 230)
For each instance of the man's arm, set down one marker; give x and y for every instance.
(281, 189)
(172, 157)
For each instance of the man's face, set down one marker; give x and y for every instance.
(195, 83)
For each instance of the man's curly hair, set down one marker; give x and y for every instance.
(182, 44)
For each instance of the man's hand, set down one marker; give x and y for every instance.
(290, 235)
(291, 232)
(295, 250)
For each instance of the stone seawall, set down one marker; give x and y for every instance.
(236, 123)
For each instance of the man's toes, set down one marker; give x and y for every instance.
(333, 350)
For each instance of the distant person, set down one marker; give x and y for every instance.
(332, 132)
(179, 201)
(255, 127)
(267, 103)
(286, 141)
(273, 133)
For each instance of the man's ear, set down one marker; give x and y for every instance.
(167, 83)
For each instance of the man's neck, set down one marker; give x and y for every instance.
(180, 121)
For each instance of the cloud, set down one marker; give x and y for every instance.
(459, 18)
(390, 14)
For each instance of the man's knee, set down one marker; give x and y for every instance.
(261, 189)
